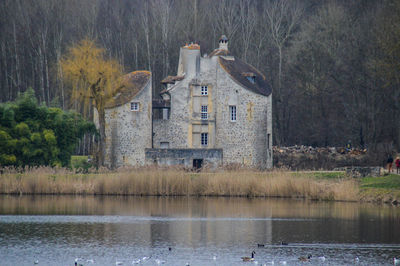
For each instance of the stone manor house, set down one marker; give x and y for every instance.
(217, 110)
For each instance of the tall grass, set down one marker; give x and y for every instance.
(175, 182)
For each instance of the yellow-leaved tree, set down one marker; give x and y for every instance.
(93, 79)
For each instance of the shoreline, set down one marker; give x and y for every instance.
(369, 200)
(158, 182)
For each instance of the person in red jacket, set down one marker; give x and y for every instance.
(397, 162)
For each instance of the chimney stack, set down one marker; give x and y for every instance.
(223, 43)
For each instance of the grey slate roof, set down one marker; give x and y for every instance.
(240, 72)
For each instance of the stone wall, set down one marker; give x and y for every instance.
(358, 171)
(128, 132)
(185, 157)
(317, 158)
(243, 141)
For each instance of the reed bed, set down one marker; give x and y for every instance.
(177, 182)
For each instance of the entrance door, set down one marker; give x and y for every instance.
(197, 163)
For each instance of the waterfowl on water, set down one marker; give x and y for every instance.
(260, 245)
(158, 261)
(396, 261)
(76, 262)
(136, 261)
(305, 258)
(249, 258)
(284, 243)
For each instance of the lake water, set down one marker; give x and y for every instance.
(56, 230)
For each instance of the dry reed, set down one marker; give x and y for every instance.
(176, 182)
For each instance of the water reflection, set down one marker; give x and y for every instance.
(110, 228)
(190, 207)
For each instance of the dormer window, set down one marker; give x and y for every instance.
(134, 106)
(250, 77)
(204, 90)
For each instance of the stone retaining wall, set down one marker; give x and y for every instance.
(209, 157)
(358, 171)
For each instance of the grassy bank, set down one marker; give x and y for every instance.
(381, 189)
(170, 182)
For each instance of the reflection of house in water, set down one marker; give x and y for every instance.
(216, 110)
(193, 222)
(196, 222)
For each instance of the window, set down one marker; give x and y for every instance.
(204, 139)
(197, 163)
(134, 106)
(252, 79)
(164, 145)
(165, 113)
(204, 112)
(232, 112)
(204, 90)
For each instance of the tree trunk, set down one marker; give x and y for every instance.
(280, 73)
(16, 59)
(102, 129)
(7, 89)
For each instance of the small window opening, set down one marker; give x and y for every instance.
(204, 139)
(250, 76)
(204, 112)
(252, 79)
(134, 106)
(232, 112)
(204, 90)
(164, 145)
(165, 113)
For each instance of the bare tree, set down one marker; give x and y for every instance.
(333, 65)
(248, 22)
(225, 15)
(164, 20)
(283, 18)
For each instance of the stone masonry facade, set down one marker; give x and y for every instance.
(216, 111)
(128, 125)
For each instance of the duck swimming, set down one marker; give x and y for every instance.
(249, 258)
(305, 258)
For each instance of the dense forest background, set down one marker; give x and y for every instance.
(333, 65)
